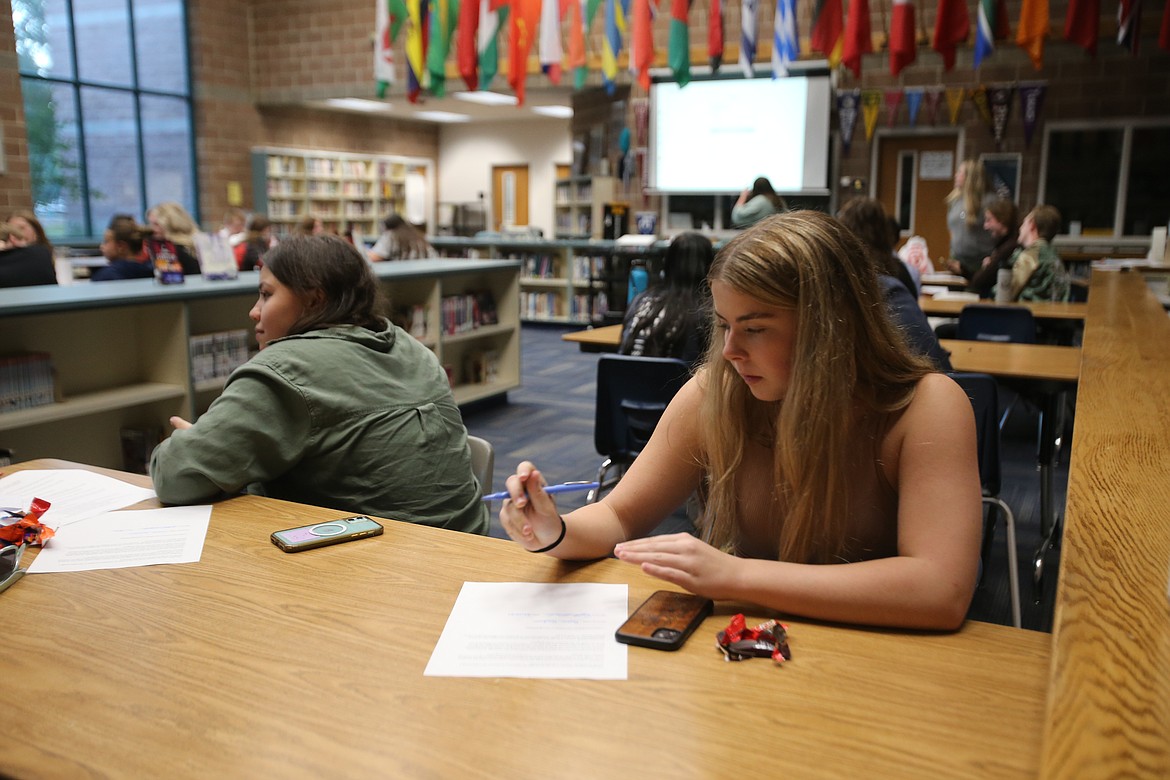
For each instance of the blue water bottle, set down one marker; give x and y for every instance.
(639, 279)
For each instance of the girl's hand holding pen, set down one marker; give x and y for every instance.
(530, 515)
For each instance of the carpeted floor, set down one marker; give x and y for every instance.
(549, 420)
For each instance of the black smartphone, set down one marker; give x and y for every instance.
(665, 620)
(307, 537)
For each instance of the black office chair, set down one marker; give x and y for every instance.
(632, 394)
(984, 395)
(988, 322)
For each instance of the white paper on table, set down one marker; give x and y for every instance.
(533, 629)
(118, 540)
(73, 494)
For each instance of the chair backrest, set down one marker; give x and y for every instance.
(483, 462)
(632, 394)
(987, 322)
(984, 395)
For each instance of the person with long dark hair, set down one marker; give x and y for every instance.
(758, 201)
(339, 408)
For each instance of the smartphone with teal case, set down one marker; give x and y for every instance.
(308, 537)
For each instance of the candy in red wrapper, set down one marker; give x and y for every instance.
(767, 640)
(28, 528)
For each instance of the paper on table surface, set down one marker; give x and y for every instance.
(534, 629)
(73, 494)
(118, 540)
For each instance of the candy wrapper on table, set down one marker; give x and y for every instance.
(26, 527)
(767, 640)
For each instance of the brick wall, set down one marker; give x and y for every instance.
(15, 181)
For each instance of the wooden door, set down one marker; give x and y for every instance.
(914, 175)
(509, 196)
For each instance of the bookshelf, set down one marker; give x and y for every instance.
(122, 351)
(345, 191)
(578, 203)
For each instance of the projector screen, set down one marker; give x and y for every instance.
(718, 136)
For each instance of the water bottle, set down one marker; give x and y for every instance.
(639, 279)
(1003, 285)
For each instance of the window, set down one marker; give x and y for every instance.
(107, 102)
(1110, 177)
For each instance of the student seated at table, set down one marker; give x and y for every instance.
(400, 241)
(257, 241)
(339, 408)
(24, 265)
(838, 471)
(867, 219)
(1001, 220)
(1037, 272)
(122, 247)
(671, 319)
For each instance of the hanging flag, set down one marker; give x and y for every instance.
(828, 30)
(858, 37)
(871, 106)
(615, 28)
(641, 42)
(678, 50)
(1129, 24)
(1033, 30)
(930, 101)
(903, 45)
(747, 35)
(848, 102)
(952, 25)
(1164, 35)
(999, 100)
(390, 15)
(991, 25)
(444, 14)
(551, 51)
(466, 49)
(493, 14)
(578, 34)
(1082, 24)
(1031, 101)
(785, 43)
(715, 35)
(955, 97)
(521, 36)
(416, 48)
(893, 100)
(913, 103)
(979, 98)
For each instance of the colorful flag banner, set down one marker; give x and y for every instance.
(999, 99)
(1031, 102)
(903, 43)
(828, 30)
(1033, 30)
(858, 37)
(893, 98)
(466, 39)
(748, 21)
(931, 98)
(389, 17)
(955, 97)
(615, 29)
(641, 108)
(913, 103)
(493, 14)
(1082, 24)
(871, 106)
(985, 20)
(715, 35)
(641, 42)
(952, 25)
(848, 103)
(785, 43)
(578, 34)
(550, 49)
(678, 51)
(525, 24)
(444, 14)
(416, 48)
(979, 98)
(1129, 24)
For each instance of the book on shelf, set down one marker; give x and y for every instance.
(214, 356)
(481, 367)
(412, 319)
(26, 381)
(464, 313)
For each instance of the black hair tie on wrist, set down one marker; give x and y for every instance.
(560, 538)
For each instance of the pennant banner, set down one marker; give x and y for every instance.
(931, 99)
(1031, 101)
(913, 103)
(999, 100)
(871, 106)
(893, 103)
(848, 101)
(641, 108)
(979, 98)
(955, 97)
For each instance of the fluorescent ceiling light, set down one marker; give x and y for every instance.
(560, 112)
(440, 116)
(487, 98)
(358, 104)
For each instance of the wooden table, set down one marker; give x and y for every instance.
(1109, 691)
(256, 663)
(1043, 310)
(607, 338)
(1015, 361)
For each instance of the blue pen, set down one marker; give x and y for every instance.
(568, 487)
